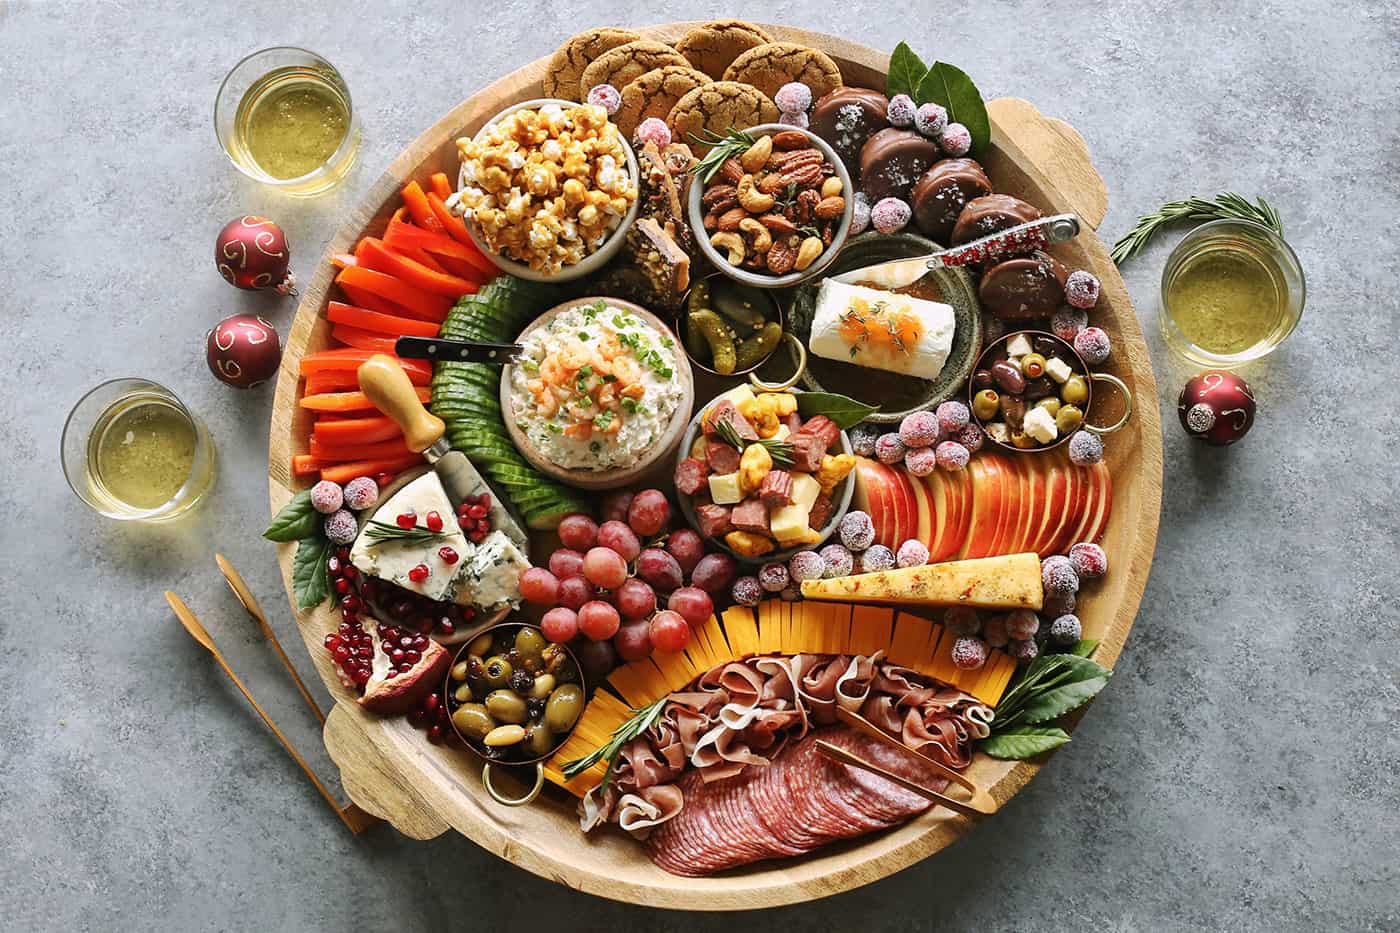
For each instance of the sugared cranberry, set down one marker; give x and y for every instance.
(447, 555)
(434, 521)
(419, 573)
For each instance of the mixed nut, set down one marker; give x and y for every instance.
(774, 207)
(1034, 392)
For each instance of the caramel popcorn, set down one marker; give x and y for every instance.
(546, 187)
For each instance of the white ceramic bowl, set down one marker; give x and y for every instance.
(594, 260)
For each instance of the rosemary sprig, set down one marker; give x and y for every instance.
(642, 720)
(780, 451)
(723, 147)
(383, 531)
(1227, 206)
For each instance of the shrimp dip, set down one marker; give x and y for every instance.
(595, 388)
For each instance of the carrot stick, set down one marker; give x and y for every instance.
(350, 452)
(440, 185)
(302, 464)
(337, 312)
(372, 254)
(453, 225)
(348, 359)
(414, 300)
(401, 234)
(347, 380)
(417, 203)
(352, 431)
(341, 260)
(345, 472)
(372, 302)
(353, 401)
(362, 339)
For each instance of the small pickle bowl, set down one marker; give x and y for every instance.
(840, 496)
(1040, 388)
(594, 260)
(732, 302)
(491, 707)
(696, 211)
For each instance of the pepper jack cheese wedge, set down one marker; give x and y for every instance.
(881, 330)
(1010, 582)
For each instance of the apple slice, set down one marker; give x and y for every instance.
(869, 493)
(926, 509)
(987, 488)
(1081, 489)
(1013, 517)
(1054, 482)
(1104, 505)
(940, 491)
(905, 505)
(960, 491)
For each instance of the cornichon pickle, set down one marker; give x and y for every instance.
(735, 305)
(695, 343)
(699, 297)
(755, 349)
(718, 338)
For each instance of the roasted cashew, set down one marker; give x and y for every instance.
(750, 198)
(808, 252)
(733, 243)
(762, 240)
(756, 156)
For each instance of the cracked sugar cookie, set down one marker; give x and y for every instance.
(714, 46)
(564, 72)
(624, 64)
(770, 66)
(717, 107)
(654, 94)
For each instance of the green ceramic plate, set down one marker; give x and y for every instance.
(896, 395)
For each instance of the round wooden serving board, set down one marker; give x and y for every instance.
(390, 770)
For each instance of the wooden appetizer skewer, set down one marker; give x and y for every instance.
(352, 816)
(249, 602)
(836, 753)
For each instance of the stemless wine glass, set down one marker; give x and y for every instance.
(109, 416)
(259, 79)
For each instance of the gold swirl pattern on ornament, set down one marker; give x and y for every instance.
(264, 238)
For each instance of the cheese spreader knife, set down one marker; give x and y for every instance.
(386, 385)
(1013, 241)
(457, 351)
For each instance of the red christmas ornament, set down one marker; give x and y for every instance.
(243, 350)
(252, 254)
(1216, 407)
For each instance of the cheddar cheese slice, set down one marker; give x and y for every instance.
(1009, 582)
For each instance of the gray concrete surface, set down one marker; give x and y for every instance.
(1241, 771)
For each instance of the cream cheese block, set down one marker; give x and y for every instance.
(391, 559)
(881, 330)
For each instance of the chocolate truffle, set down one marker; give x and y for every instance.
(846, 118)
(1028, 287)
(940, 194)
(892, 160)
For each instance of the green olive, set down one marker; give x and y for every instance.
(480, 646)
(1050, 404)
(543, 687)
(1023, 442)
(538, 739)
(563, 709)
(530, 643)
(463, 694)
(1032, 365)
(506, 706)
(459, 670)
(1068, 419)
(496, 672)
(473, 721)
(984, 404)
(504, 735)
(1075, 390)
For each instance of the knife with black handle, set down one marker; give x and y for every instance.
(457, 351)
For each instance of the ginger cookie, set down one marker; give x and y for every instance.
(770, 66)
(714, 46)
(654, 94)
(717, 107)
(565, 69)
(622, 65)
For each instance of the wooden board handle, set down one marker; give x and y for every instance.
(388, 387)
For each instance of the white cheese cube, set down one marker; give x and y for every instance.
(1018, 345)
(724, 489)
(788, 523)
(870, 327)
(998, 431)
(492, 577)
(783, 433)
(739, 395)
(392, 560)
(1057, 369)
(1039, 424)
(805, 490)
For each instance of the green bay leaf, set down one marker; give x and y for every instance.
(1053, 704)
(309, 573)
(845, 411)
(297, 519)
(1025, 742)
(906, 71)
(1084, 647)
(950, 87)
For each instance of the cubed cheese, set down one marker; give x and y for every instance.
(805, 490)
(390, 559)
(724, 489)
(739, 395)
(998, 431)
(492, 577)
(1018, 345)
(1040, 425)
(788, 524)
(783, 433)
(881, 330)
(1057, 369)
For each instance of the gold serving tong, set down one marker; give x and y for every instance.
(979, 803)
(353, 817)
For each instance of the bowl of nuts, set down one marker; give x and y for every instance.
(548, 189)
(774, 204)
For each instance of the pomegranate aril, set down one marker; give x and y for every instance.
(424, 625)
(446, 627)
(435, 734)
(477, 535)
(447, 555)
(332, 640)
(361, 677)
(419, 642)
(433, 521)
(348, 571)
(333, 565)
(342, 586)
(419, 573)
(431, 702)
(477, 511)
(391, 673)
(341, 653)
(411, 657)
(348, 615)
(406, 519)
(343, 555)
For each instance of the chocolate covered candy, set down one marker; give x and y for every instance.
(1026, 287)
(985, 215)
(892, 160)
(940, 194)
(846, 118)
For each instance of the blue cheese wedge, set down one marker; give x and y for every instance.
(391, 560)
(491, 578)
(881, 330)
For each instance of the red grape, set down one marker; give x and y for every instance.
(634, 599)
(574, 592)
(598, 620)
(597, 658)
(578, 531)
(565, 563)
(620, 538)
(713, 573)
(659, 569)
(692, 604)
(633, 640)
(615, 505)
(669, 632)
(604, 567)
(559, 624)
(687, 547)
(649, 513)
(540, 586)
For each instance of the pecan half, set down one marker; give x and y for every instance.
(731, 171)
(781, 258)
(778, 223)
(715, 194)
(807, 200)
(783, 160)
